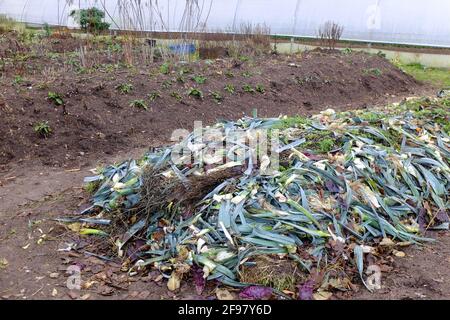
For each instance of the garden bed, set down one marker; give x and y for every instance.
(94, 103)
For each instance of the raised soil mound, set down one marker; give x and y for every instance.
(97, 118)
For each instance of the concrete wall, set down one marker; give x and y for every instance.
(433, 60)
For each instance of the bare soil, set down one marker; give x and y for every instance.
(423, 274)
(41, 179)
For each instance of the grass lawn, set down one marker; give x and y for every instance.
(438, 77)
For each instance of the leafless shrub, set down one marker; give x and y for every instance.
(88, 57)
(146, 16)
(212, 50)
(82, 53)
(247, 39)
(256, 38)
(211, 45)
(329, 34)
(7, 24)
(127, 48)
(193, 23)
(258, 34)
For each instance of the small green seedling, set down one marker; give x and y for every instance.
(176, 95)
(53, 55)
(47, 30)
(125, 88)
(42, 128)
(91, 187)
(244, 58)
(165, 68)
(246, 74)
(108, 67)
(154, 95)
(229, 74)
(381, 54)
(56, 98)
(18, 80)
(166, 84)
(248, 88)
(184, 70)
(196, 93)
(114, 47)
(347, 51)
(373, 71)
(230, 88)
(139, 104)
(260, 88)
(199, 79)
(218, 98)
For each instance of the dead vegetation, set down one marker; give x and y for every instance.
(248, 40)
(160, 190)
(329, 34)
(271, 271)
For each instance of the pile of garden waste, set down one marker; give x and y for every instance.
(346, 185)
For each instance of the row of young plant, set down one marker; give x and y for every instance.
(44, 130)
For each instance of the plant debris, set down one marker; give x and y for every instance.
(383, 177)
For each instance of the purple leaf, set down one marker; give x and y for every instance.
(199, 281)
(332, 187)
(442, 216)
(256, 293)
(187, 214)
(305, 292)
(342, 203)
(312, 156)
(133, 250)
(422, 220)
(80, 265)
